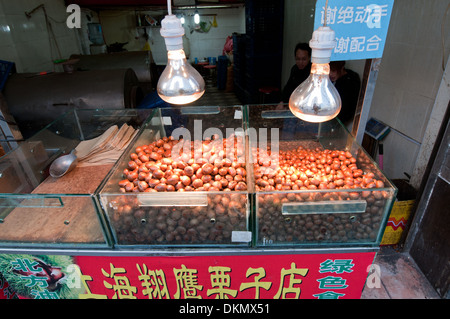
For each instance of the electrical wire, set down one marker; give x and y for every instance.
(50, 32)
(169, 6)
(325, 14)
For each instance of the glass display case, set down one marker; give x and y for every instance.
(40, 211)
(314, 185)
(199, 177)
(183, 182)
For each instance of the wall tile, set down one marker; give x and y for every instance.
(409, 77)
(23, 29)
(424, 71)
(403, 25)
(413, 115)
(5, 35)
(19, 6)
(431, 21)
(384, 106)
(33, 57)
(8, 53)
(399, 155)
(395, 65)
(30, 37)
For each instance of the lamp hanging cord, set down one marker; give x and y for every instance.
(325, 14)
(169, 6)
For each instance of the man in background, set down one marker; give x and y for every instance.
(348, 84)
(299, 71)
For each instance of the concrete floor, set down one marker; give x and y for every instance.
(400, 278)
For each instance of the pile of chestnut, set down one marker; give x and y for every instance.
(321, 175)
(208, 166)
(310, 169)
(292, 174)
(214, 223)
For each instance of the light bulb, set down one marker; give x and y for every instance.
(196, 17)
(316, 99)
(179, 83)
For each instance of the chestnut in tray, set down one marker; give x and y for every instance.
(309, 169)
(211, 224)
(208, 167)
(325, 176)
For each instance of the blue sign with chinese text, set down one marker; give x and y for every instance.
(361, 26)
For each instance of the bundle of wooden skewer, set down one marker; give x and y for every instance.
(106, 148)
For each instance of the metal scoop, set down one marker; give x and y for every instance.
(63, 165)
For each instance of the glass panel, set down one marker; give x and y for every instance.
(179, 218)
(207, 225)
(75, 223)
(39, 210)
(315, 186)
(26, 201)
(334, 224)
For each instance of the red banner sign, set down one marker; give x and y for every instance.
(320, 276)
(297, 276)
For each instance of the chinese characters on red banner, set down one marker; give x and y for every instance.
(327, 279)
(331, 283)
(154, 284)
